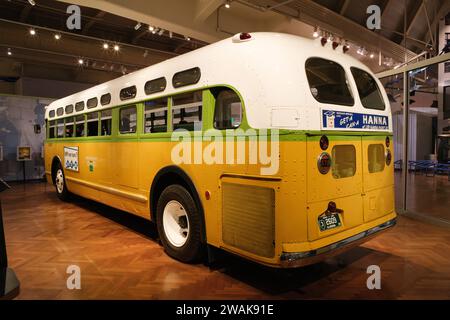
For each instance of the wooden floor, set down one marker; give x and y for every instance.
(120, 258)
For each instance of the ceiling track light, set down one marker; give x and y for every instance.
(316, 32)
(57, 36)
(32, 32)
(116, 47)
(105, 46)
(137, 26)
(160, 33)
(32, 2)
(80, 61)
(151, 28)
(228, 4)
(187, 38)
(170, 34)
(9, 53)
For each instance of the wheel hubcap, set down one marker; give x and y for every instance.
(176, 223)
(59, 181)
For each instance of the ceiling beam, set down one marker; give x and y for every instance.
(25, 13)
(442, 11)
(92, 21)
(205, 8)
(344, 7)
(415, 14)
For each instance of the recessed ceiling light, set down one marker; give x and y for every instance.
(105, 46)
(116, 47)
(32, 32)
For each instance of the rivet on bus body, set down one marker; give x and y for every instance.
(207, 195)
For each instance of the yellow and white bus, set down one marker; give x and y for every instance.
(320, 115)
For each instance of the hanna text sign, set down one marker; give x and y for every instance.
(350, 120)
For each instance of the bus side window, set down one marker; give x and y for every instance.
(376, 157)
(187, 111)
(79, 126)
(228, 110)
(106, 121)
(155, 116)
(69, 127)
(127, 120)
(60, 128)
(92, 124)
(52, 129)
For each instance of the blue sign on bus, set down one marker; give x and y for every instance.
(350, 120)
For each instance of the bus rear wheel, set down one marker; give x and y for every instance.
(60, 184)
(179, 224)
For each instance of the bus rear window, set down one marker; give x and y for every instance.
(343, 161)
(368, 90)
(328, 82)
(376, 158)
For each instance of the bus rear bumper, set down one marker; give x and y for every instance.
(299, 259)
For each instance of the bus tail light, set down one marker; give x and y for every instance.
(324, 143)
(388, 157)
(388, 142)
(324, 163)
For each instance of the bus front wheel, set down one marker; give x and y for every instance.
(179, 224)
(60, 184)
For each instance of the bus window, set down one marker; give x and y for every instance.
(69, 109)
(127, 120)
(69, 128)
(343, 161)
(368, 90)
(92, 103)
(128, 93)
(187, 111)
(79, 126)
(92, 124)
(156, 85)
(60, 111)
(186, 77)
(79, 106)
(60, 128)
(328, 82)
(106, 120)
(51, 114)
(376, 158)
(155, 116)
(228, 110)
(105, 99)
(51, 130)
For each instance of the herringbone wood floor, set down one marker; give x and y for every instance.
(120, 258)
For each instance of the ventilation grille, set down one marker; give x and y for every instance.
(248, 218)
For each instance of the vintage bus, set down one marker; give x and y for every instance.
(321, 115)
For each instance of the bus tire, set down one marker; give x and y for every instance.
(179, 224)
(60, 184)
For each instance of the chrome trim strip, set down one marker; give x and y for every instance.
(288, 257)
(110, 190)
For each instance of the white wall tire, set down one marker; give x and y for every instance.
(60, 184)
(179, 224)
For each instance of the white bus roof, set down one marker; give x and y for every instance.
(268, 70)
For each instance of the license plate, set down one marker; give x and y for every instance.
(328, 222)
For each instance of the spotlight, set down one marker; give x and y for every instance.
(372, 56)
(105, 46)
(137, 26)
(80, 61)
(155, 30)
(316, 32)
(151, 28)
(335, 44)
(57, 36)
(187, 38)
(9, 52)
(323, 41)
(160, 33)
(227, 5)
(32, 2)
(32, 32)
(116, 47)
(170, 34)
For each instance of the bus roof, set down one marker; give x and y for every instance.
(268, 70)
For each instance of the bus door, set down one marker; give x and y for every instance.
(126, 149)
(378, 169)
(334, 184)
